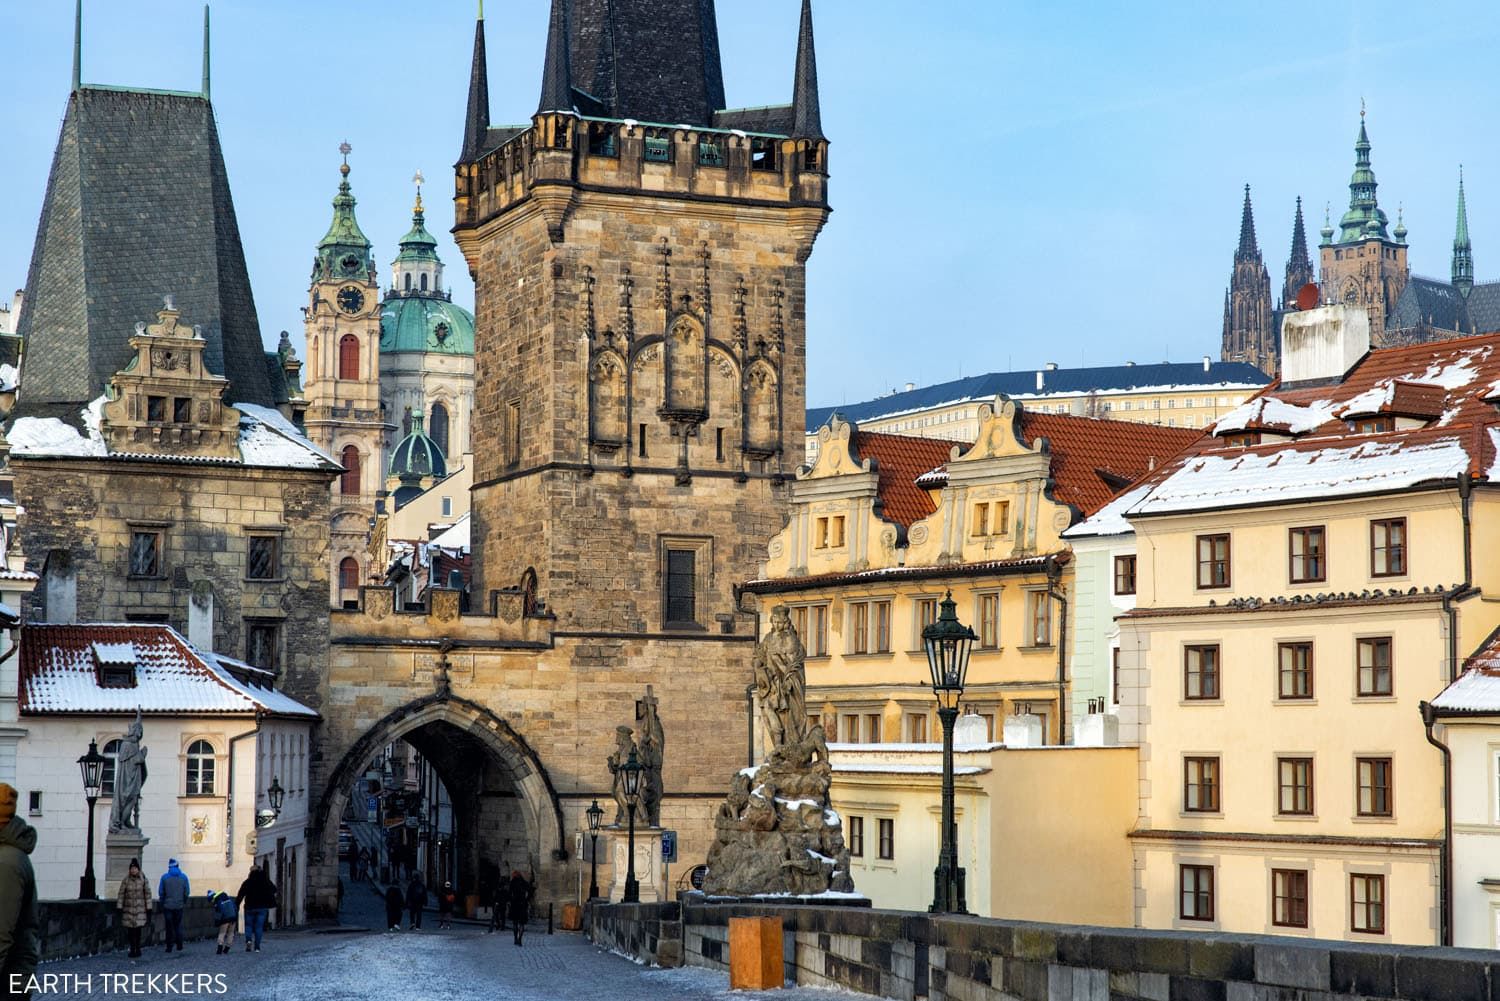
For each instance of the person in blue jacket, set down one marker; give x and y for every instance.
(226, 916)
(173, 891)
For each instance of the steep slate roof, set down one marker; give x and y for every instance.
(1093, 460)
(899, 461)
(137, 207)
(1439, 304)
(1056, 382)
(58, 674)
(1311, 453)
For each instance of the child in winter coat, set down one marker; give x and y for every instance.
(226, 916)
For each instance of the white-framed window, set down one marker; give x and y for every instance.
(924, 614)
(200, 768)
(828, 532)
(869, 626)
(811, 623)
(987, 619)
(447, 507)
(111, 752)
(1038, 619)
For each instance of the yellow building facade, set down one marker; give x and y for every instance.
(1304, 582)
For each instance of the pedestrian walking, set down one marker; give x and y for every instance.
(520, 903)
(134, 901)
(362, 862)
(20, 945)
(499, 901)
(416, 899)
(173, 891)
(258, 894)
(226, 916)
(447, 900)
(394, 899)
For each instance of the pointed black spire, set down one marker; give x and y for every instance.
(1247, 249)
(807, 118)
(477, 122)
(1299, 238)
(557, 78)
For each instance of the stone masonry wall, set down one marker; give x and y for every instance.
(906, 955)
(72, 928)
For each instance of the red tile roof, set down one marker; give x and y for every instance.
(1093, 460)
(899, 460)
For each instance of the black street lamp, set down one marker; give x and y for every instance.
(595, 814)
(632, 770)
(275, 795)
(948, 643)
(91, 765)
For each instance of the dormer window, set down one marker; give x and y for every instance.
(114, 664)
(1243, 440)
(1372, 425)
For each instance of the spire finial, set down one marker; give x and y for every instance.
(345, 149)
(417, 179)
(78, 46)
(205, 52)
(1361, 108)
(481, 10)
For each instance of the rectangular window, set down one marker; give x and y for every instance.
(857, 837)
(1200, 672)
(836, 531)
(989, 621)
(870, 626)
(1307, 555)
(641, 450)
(1200, 785)
(156, 409)
(1295, 671)
(182, 410)
(1114, 675)
(872, 728)
(1388, 547)
(145, 553)
(34, 802)
(719, 444)
(261, 561)
(1289, 898)
(887, 828)
(1038, 618)
(981, 522)
(262, 644)
(849, 729)
(710, 154)
(916, 728)
(811, 623)
(1374, 654)
(1374, 778)
(447, 507)
(927, 613)
(1197, 882)
(1294, 786)
(1367, 903)
(763, 154)
(1213, 561)
(682, 587)
(1125, 574)
(820, 533)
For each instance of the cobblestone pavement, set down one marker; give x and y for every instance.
(456, 964)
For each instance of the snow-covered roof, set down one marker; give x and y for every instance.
(1110, 519)
(1270, 413)
(455, 537)
(1476, 691)
(59, 673)
(266, 439)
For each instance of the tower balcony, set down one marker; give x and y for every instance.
(629, 157)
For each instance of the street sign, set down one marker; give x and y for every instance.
(669, 847)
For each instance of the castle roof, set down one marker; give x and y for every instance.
(137, 207)
(1436, 303)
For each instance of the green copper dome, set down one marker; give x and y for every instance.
(425, 323)
(1364, 220)
(418, 456)
(344, 251)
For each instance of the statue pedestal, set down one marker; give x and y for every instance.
(119, 849)
(648, 865)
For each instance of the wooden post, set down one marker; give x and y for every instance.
(755, 960)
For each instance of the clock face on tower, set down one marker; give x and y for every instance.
(351, 299)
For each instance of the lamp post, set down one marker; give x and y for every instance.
(91, 765)
(632, 769)
(595, 814)
(948, 643)
(275, 795)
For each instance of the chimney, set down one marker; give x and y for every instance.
(1207, 363)
(1052, 366)
(910, 386)
(1130, 364)
(1041, 381)
(1323, 344)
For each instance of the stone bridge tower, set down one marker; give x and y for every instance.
(640, 303)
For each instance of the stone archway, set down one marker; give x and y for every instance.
(448, 730)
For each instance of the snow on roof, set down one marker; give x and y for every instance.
(10, 377)
(1271, 413)
(1368, 465)
(456, 537)
(58, 674)
(1110, 519)
(1477, 690)
(266, 439)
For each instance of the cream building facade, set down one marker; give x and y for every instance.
(1304, 580)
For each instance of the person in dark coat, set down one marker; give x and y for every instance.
(447, 900)
(520, 903)
(20, 941)
(258, 894)
(416, 899)
(394, 900)
(499, 902)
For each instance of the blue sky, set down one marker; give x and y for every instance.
(1012, 183)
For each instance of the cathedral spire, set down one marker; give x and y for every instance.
(557, 78)
(1299, 267)
(1248, 250)
(807, 118)
(477, 121)
(1463, 251)
(1364, 220)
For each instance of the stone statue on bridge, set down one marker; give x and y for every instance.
(130, 776)
(781, 681)
(650, 750)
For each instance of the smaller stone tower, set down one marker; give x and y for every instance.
(344, 416)
(1248, 336)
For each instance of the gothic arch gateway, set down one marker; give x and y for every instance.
(505, 806)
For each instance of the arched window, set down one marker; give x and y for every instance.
(437, 428)
(424, 281)
(107, 776)
(348, 357)
(348, 573)
(349, 482)
(408, 281)
(200, 768)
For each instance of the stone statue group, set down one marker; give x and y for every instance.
(648, 754)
